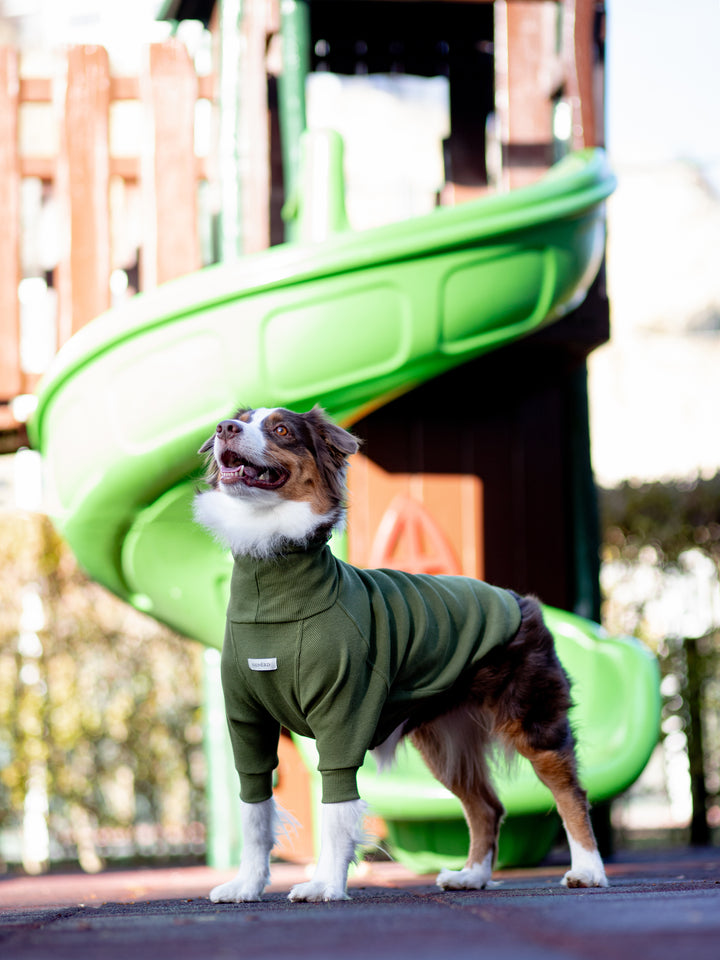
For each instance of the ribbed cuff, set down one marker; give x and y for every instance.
(255, 787)
(339, 785)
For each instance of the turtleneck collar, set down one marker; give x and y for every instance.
(299, 584)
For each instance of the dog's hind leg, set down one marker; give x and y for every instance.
(531, 695)
(259, 823)
(453, 746)
(557, 769)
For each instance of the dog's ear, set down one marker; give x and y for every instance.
(341, 442)
(211, 477)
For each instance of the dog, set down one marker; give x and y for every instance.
(359, 659)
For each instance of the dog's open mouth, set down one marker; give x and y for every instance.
(233, 469)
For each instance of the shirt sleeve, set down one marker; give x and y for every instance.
(342, 697)
(255, 746)
(254, 735)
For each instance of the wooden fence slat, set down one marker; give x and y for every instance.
(82, 186)
(10, 375)
(80, 175)
(169, 168)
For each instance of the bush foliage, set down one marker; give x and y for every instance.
(99, 705)
(659, 540)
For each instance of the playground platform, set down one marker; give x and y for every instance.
(659, 905)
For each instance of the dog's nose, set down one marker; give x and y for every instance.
(228, 428)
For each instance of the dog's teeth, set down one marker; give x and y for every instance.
(264, 476)
(241, 470)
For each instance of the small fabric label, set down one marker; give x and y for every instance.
(266, 663)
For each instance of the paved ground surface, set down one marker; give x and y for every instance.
(660, 905)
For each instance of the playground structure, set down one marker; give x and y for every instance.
(353, 322)
(147, 384)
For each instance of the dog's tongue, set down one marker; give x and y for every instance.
(250, 472)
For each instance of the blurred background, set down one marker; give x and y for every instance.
(102, 757)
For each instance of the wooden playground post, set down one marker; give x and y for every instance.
(10, 376)
(534, 65)
(577, 46)
(523, 86)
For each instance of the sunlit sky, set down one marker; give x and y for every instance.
(663, 81)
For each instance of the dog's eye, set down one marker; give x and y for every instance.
(281, 430)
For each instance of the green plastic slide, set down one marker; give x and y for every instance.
(349, 323)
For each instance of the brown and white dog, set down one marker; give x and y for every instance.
(277, 483)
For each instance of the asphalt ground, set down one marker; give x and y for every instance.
(659, 905)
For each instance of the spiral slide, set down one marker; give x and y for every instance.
(349, 323)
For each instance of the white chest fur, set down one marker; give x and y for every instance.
(250, 528)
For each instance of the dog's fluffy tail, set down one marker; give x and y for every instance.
(385, 753)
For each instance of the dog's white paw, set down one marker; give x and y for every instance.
(476, 877)
(316, 890)
(585, 878)
(586, 868)
(237, 890)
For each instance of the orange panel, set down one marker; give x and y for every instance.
(429, 522)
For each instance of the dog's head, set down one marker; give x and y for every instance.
(271, 456)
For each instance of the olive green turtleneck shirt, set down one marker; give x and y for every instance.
(344, 655)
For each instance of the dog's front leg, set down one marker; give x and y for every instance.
(258, 822)
(341, 832)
